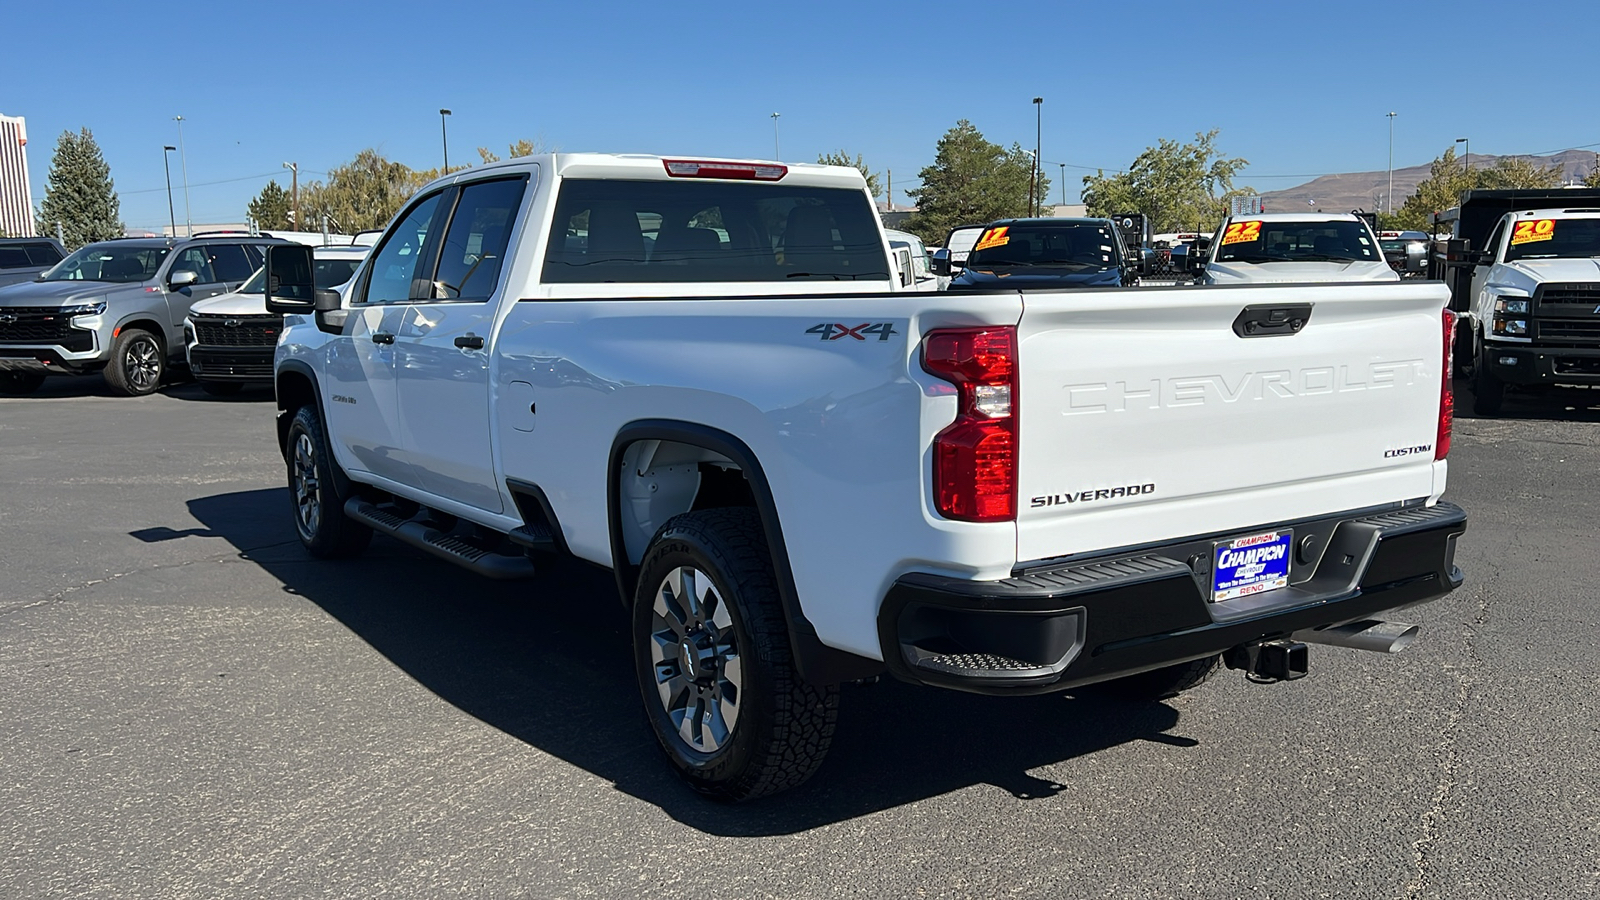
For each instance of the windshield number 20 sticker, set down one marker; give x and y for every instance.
(994, 237)
(1240, 232)
(832, 331)
(1530, 231)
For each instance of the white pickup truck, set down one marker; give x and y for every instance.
(701, 375)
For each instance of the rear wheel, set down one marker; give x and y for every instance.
(221, 388)
(318, 491)
(16, 384)
(1488, 392)
(1160, 684)
(711, 650)
(138, 361)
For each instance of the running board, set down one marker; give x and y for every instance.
(432, 540)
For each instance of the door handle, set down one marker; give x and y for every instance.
(382, 337)
(469, 342)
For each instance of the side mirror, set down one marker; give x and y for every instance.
(941, 262)
(291, 288)
(1416, 256)
(1485, 258)
(183, 278)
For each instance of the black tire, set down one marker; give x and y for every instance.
(318, 489)
(18, 384)
(222, 388)
(782, 725)
(138, 363)
(1160, 684)
(1488, 392)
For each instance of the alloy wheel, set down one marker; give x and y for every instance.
(306, 486)
(142, 364)
(695, 654)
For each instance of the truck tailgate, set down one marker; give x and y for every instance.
(1145, 417)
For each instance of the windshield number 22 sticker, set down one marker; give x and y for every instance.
(1241, 232)
(1530, 231)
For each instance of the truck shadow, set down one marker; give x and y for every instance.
(1554, 404)
(547, 662)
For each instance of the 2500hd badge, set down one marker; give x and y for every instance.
(1131, 490)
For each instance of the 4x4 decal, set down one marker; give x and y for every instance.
(835, 331)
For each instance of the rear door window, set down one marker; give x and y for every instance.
(43, 254)
(712, 231)
(475, 244)
(13, 256)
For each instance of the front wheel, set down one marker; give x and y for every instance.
(17, 384)
(711, 650)
(138, 361)
(318, 491)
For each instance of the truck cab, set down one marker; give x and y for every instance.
(1296, 248)
(1534, 300)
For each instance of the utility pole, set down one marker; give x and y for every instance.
(1038, 163)
(444, 137)
(166, 163)
(888, 199)
(183, 160)
(777, 153)
(294, 176)
(1388, 199)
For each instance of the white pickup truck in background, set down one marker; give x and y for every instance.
(702, 375)
(1294, 248)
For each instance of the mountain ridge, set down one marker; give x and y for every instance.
(1341, 192)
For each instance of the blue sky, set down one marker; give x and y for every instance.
(1299, 89)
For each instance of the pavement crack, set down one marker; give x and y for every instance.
(61, 596)
(1422, 849)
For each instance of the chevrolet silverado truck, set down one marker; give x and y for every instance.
(702, 376)
(1526, 271)
(116, 307)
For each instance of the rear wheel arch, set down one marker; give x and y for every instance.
(817, 662)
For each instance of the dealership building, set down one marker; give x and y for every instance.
(16, 210)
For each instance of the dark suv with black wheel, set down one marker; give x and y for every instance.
(118, 307)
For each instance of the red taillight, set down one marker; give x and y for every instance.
(690, 168)
(975, 457)
(1447, 394)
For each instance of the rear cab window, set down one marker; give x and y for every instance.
(612, 231)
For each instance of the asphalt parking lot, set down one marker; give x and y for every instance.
(195, 708)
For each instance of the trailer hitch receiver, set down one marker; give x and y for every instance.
(1269, 661)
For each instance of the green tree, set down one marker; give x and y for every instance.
(1593, 178)
(521, 148)
(972, 181)
(1177, 186)
(841, 158)
(361, 194)
(80, 196)
(271, 208)
(1448, 177)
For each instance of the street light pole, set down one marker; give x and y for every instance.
(183, 162)
(1388, 199)
(1038, 162)
(166, 163)
(1467, 162)
(444, 138)
(1063, 183)
(294, 174)
(777, 153)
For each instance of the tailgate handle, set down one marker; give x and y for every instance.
(1272, 321)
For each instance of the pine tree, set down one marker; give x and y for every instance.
(972, 181)
(842, 158)
(80, 196)
(270, 209)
